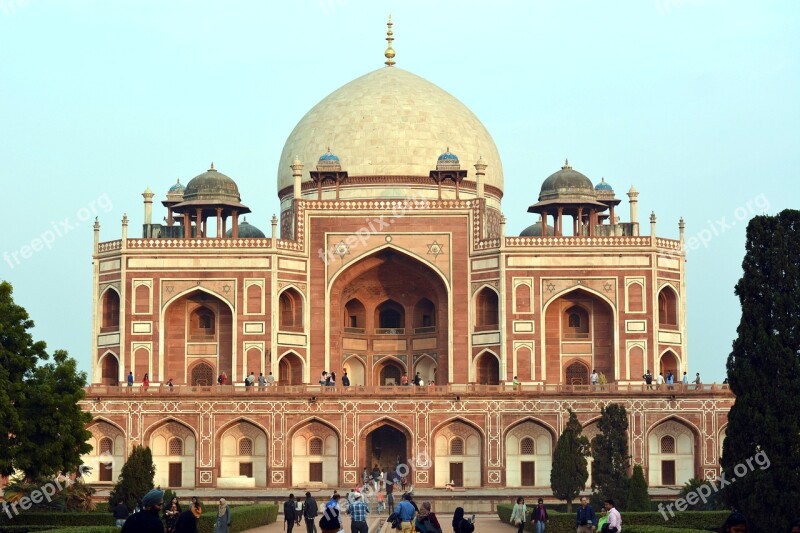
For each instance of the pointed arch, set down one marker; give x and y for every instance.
(109, 366)
(668, 305)
(676, 465)
(486, 302)
(291, 306)
(110, 309)
(487, 368)
(291, 368)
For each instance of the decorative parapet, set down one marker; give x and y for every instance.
(626, 241)
(197, 244)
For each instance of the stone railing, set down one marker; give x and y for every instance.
(198, 244)
(456, 391)
(519, 242)
(109, 246)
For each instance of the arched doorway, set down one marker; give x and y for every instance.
(390, 373)
(388, 304)
(487, 369)
(110, 370)
(355, 370)
(671, 454)
(290, 370)
(669, 363)
(387, 447)
(202, 375)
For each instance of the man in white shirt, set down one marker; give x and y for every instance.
(595, 378)
(659, 380)
(614, 519)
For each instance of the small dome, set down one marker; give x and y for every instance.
(566, 182)
(328, 156)
(178, 188)
(535, 230)
(448, 161)
(603, 186)
(247, 231)
(213, 187)
(329, 162)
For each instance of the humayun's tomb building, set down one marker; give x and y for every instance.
(391, 256)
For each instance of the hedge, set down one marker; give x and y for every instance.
(24, 529)
(57, 519)
(662, 529)
(565, 523)
(242, 518)
(93, 529)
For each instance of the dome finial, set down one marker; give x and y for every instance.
(212, 166)
(389, 53)
(566, 164)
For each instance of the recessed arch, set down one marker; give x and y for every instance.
(109, 365)
(529, 446)
(668, 360)
(463, 469)
(110, 309)
(390, 315)
(240, 469)
(291, 305)
(356, 370)
(148, 432)
(487, 368)
(675, 465)
(385, 441)
(291, 368)
(388, 370)
(322, 470)
(668, 305)
(201, 374)
(486, 302)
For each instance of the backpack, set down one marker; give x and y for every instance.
(329, 518)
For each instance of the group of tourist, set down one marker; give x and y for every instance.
(146, 519)
(327, 379)
(669, 380)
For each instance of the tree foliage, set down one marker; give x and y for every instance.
(610, 455)
(569, 473)
(638, 498)
(764, 374)
(42, 428)
(135, 479)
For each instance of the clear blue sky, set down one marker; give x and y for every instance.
(695, 102)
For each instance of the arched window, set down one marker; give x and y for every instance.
(487, 316)
(457, 446)
(202, 324)
(522, 296)
(667, 308)
(175, 446)
(526, 446)
(577, 374)
(202, 375)
(291, 310)
(315, 446)
(106, 446)
(576, 323)
(355, 316)
(246, 446)
(424, 316)
(667, 444)
(110, 310)
(635, 299)
(391, 318)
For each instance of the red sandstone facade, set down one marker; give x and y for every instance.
(378, 275)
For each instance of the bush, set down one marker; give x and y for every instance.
(650, 522)
(661, 529)
(24, 529)
(242, 518)
(94, 529)
(57, 519)
(135, 479)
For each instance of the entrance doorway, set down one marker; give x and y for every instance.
(457, 474)
(387, 447)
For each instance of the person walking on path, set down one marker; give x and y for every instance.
(289, 514)
(405, 510)
(223, 517)
(358, 512)
(539, 516)
(310, 511)
(614, 518)
(519, 514)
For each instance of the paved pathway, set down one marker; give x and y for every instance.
(487, 523)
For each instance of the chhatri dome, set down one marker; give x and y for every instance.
(390, 122)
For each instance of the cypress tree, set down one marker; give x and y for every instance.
(569, 473)
(761, 450)
(610, 454)
(135, 479)
(638, 498)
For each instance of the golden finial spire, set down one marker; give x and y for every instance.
(389, 53)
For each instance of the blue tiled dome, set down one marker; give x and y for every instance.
(603, 186)
(448, 156)
(247, 231)
(328, 156)
(178, 188)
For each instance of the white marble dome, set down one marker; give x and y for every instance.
(390, 122)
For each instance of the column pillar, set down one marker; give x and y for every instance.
(199, 222)
(559, 221)
(235, 224)
(187, 225)
(219, 223)
(580, 222)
